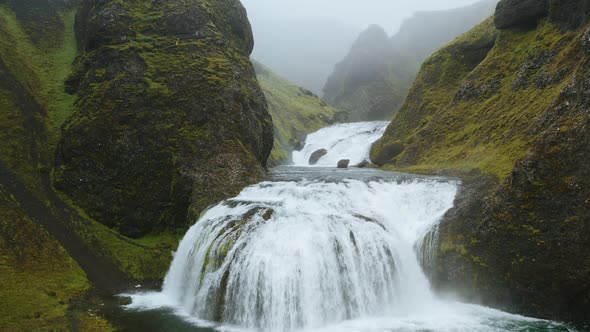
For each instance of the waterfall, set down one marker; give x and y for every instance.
(342, 141)
(320, 249)
(288, 255)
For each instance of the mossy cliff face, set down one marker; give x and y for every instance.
(508, 111)
(170, 117)
(295, 111)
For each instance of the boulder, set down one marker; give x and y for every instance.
(343, 163)
(520, 13)
(384, 151)
(366, 164)
(317, 155)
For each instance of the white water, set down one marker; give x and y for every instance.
(337, 252)
(343, 141)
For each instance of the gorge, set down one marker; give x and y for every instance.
(153, 177)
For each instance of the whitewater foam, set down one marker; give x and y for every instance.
(351, 141)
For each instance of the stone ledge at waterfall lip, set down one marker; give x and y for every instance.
(329, 174)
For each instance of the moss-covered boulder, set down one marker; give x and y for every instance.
(296, 112)
(508, 112)
(170, 117)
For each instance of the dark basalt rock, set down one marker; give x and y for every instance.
(520, 13)
(569, 14)
(170, 117)
(343, 163)
(317, 155)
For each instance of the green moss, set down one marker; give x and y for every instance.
(295, 113)
(462, 117)
(42, 68)
(39, 281)
(146, 258)
(454, 245)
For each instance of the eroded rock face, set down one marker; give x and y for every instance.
(170, 117)
(520, 13)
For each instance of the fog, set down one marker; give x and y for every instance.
(302, 40)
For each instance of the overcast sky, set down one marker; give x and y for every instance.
(302, 40)
(360, 13)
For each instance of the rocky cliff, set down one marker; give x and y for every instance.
(374, 78)
(295, 111)
(142, 114)
(507, 110)
(170, 117)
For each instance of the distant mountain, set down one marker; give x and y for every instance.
(303, 51)
(374, 78)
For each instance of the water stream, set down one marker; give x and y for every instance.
(320, 249)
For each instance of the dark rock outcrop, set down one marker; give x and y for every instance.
(170, 117)
(569, 14)
(520, 13)
(343, 163)
(317, 155)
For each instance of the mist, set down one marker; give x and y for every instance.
(303, 40)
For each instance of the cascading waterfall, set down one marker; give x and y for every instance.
(288, 255)
(320, 249)
(342, 141)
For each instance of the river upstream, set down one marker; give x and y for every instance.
(318, 249)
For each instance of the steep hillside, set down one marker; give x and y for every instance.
(114, 101)
(374, 78)
(508, 111)
(295, 111)
(42, 286)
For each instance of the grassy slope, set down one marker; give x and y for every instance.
(40, 282)
(493, 127)
(295, 112)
